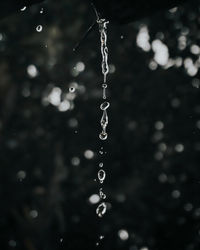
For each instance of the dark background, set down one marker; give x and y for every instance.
(151, 156)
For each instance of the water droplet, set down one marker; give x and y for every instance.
(101, 164)
(101, 237)
(104, 105)
(39, 28)
(101, 194)
(41, 11)
(72, 90)
(101, 175)
(101, 209)
(104, 120)
(104, 86)
(103, 136)
(23, 9)
(104, 93)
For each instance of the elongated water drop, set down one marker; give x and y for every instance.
(104, 120)
(101, 209)
(104, 86)
(104, 105)
(101, 175)
(39, 28)
(23, 9)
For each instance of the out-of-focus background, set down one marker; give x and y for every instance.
(49, 144)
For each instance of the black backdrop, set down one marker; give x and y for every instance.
(152, 153)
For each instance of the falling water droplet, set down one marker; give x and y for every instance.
(41, 11)
(103, 136)
(101, 175)
(104, 120)
(101, 209)
(39, 28)
(104, 105)
(72, 90)
(104, 86)
(101, 164)
(101, 237)
(23, 9)
(101, 194)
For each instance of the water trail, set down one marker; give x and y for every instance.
(105, 70)
(101, 209)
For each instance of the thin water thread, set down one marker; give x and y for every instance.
(101, 209)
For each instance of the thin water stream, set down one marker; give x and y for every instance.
(101, 209)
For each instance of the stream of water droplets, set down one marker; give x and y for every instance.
(101, 209)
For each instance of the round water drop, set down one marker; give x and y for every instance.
(104, 105)
(101, 175)
(41, 11)
(72, 90)
(39, 28)
(101, 164)
(103, 136)
(101, 209)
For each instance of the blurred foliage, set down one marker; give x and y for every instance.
(151, 156)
